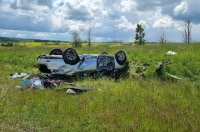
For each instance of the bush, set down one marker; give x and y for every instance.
(76, 42)
(9, 44)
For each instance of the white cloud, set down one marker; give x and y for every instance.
(79, 25)
(75, 17)
(21, 35)
(143, 23)
(41, 35)
(4, 33)
(56, 22)
(35, 35)
(181, 9)
(125, 24)
(127, 5)
(164, 22)
(29, 5)
(99, 39)
(110, 19)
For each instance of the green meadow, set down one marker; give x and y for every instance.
(129, 104)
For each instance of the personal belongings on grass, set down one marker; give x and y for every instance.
(160, 70)
(41, 81)
(35, 80)
(170, 53)
(17, 75)
(31, 75)
(70, 91)
(37, 83)
(25, 84)
(48, 83)
(76, 90)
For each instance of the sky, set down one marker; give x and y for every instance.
(110, 20)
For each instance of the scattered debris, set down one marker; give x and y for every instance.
(139, 70)
(105, 66)
(160, 71)
(32, 75)
(70, 91)
(160, 68)
(49, 83)
(37, 83)
(171, 53)
(42, 81)
(174, 77)
(76, 90)
(17, 75)
(25, 84)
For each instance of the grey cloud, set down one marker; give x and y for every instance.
(45, 2)
(152, 4)
(192, 12)
(29, 5)
(114, 15)
(22, 23)
(20, 20)
(168, 6)
(109, 31)
(22, 4)
(78, 13)
(26, 15)
(193, 17)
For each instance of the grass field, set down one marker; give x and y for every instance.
(130, 104)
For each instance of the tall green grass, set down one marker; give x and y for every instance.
(125, 105)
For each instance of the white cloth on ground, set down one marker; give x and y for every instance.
(17, 75)
(37, 83)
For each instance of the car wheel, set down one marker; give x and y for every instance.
(56, 52)
(70, 56)
(120, 57)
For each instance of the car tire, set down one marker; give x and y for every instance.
(70, 56)
(120, 57)
(56, 52)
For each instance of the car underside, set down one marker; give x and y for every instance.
(70, 63)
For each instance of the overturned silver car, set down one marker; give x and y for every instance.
(69, 62)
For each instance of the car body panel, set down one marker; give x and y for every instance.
(88, 63)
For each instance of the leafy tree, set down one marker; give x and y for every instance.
(76, 42)
(139, 36)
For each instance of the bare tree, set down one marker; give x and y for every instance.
(76, 42)
(89, 35)
(162, 39)
(187, 32)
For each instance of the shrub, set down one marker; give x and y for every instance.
(76, 42)
(8, 44)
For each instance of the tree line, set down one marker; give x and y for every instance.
(139, 38)
(186, 34)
